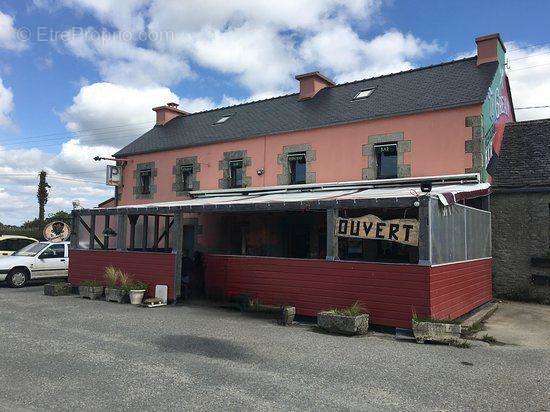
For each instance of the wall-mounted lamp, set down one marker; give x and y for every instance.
(426, 186)
(260, 171)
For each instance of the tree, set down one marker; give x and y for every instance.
(59, 215)
(42, 195)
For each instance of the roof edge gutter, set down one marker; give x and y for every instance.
(404, 181)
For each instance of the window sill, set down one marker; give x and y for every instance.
(540, 261)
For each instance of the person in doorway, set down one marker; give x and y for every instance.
(186, 272)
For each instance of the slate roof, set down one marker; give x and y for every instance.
(446, 85)
(524, 159)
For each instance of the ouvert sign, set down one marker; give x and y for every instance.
(372, 227)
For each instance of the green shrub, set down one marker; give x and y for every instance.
(137, 285)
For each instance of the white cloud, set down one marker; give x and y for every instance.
(8, 34)
(390, 52)
(125, 15)
(72, 175)
(262, 46)
(6, 105)
(121, 113)
(120, 61)
(528, 72)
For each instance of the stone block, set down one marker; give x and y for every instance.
(344, 325)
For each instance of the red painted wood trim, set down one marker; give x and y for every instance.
(151, 268)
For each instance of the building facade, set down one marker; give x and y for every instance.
(266, 187)
(520, 204)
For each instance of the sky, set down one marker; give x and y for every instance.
(78, 78)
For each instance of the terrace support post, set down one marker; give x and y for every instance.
(167, 230)
(92, 232)
(145, 231)
(133, 221)
(121, 231)
(178, 249)
(424, 234)
(74, 229)
(156, 233)
(332, 239)
(106, 227)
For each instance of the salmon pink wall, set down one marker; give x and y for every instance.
(438, 142)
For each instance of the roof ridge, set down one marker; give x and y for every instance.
(520, 123)
(338, 85)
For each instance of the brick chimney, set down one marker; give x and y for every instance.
(311, 83)
(168, 112)
(488, 48)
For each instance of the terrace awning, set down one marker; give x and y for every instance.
(360, 194)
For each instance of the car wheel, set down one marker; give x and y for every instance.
(17, 278)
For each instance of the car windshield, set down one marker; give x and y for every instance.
(32, 250)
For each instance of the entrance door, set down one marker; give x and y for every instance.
(299, 241)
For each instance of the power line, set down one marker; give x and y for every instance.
(84, 130)
(531, 107)
(529, 67)
(53, 177)
(528, 47)
(527, 57)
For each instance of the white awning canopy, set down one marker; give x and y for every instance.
(360, 194)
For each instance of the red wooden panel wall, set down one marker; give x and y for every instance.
(390, 292)
(457, 288)
(151, 268)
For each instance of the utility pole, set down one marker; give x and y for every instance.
(42, 195)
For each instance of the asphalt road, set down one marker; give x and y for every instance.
(67, 353)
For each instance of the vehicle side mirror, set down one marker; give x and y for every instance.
(47, 254)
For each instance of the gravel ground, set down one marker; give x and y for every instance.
(67, 353)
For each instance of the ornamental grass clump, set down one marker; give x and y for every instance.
(354, 310)
(111, 276)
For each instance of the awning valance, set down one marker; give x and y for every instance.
(360, 194)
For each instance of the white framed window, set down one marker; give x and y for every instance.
(223, 119)
(363, 94)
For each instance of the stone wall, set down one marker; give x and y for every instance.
(520, 229)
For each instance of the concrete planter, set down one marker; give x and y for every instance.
(57, 289)
(344, 325)
(115, 295)
(435, 331)
(286, 315)
(90, 292)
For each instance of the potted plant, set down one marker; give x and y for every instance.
(113, 278)
(432, 329)
(137, 290)
(90, 289)
(353, 320)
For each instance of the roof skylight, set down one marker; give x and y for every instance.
(223, 119)
(363, 94)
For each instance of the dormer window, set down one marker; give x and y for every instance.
(363, 94)
(223, 119)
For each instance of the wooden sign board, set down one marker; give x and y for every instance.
(372, 227)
